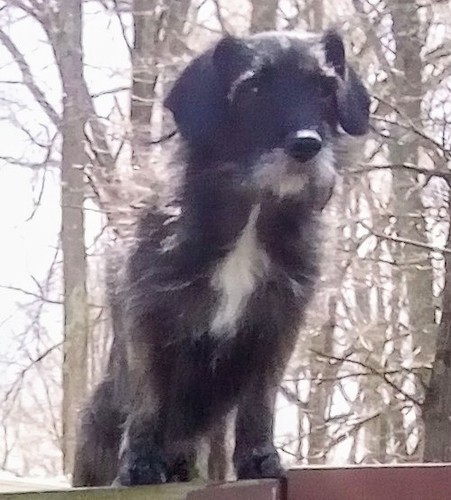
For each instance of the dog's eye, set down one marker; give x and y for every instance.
(251, 88)
(247, 89)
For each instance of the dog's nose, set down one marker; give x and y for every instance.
(303, 144)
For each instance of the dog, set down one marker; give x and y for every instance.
(208, 306)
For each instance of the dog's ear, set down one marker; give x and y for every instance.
(198, 100)
(353, 101)
(231, 58)
(195, 99)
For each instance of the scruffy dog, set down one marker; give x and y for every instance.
(215, 285)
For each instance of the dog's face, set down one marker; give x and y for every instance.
(273, 102)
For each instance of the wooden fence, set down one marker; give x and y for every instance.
(409, 482)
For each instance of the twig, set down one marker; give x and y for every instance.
(28, 78)
(406, 241)
(382, 375)
(368, 167)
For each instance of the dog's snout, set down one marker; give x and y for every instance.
(303, 144)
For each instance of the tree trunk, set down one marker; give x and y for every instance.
(316, 15)
(219, 456)
(412, 304)
(264, 15)
(147, 24)
(72, 228)
(158, 32)
(407, 200)
(437, 405)
(320, 397)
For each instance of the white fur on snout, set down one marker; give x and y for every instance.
(237, 276)
(284, 176)
(325, 164)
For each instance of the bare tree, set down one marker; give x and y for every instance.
(264, 15)
(73, 159)
(437, 404)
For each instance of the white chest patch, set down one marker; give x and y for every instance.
(237, 275)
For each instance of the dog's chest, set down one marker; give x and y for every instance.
(237, 277)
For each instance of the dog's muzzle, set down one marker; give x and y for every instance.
(303, 145)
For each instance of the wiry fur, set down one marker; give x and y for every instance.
(217, 281)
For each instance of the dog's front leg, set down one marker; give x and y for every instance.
(141, 458)
(255, 454)
(157, 446)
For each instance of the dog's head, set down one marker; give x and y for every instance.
(270, 94)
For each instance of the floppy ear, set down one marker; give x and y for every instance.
(198, 100)
(353, 101)
(231, 58)
(195, 99)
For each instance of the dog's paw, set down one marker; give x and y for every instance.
(139, 470)
(260, 463)
(182, 469)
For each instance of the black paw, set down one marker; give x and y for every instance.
(136, 470)
(182, 468)
(258, 464)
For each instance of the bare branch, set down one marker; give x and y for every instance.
(39, 296)
(406, 241)
(368, 167)
(373, 370)
(28, 78)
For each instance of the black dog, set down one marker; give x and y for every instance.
(215, 286)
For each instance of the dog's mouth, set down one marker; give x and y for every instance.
(283, 176)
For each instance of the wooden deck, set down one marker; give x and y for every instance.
(408, 482)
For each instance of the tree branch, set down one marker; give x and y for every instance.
(405, 241)
(374, 371)
(28, 78)
(368, 167)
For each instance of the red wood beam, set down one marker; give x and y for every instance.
(396, 482)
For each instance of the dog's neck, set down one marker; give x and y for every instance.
(215, 206)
